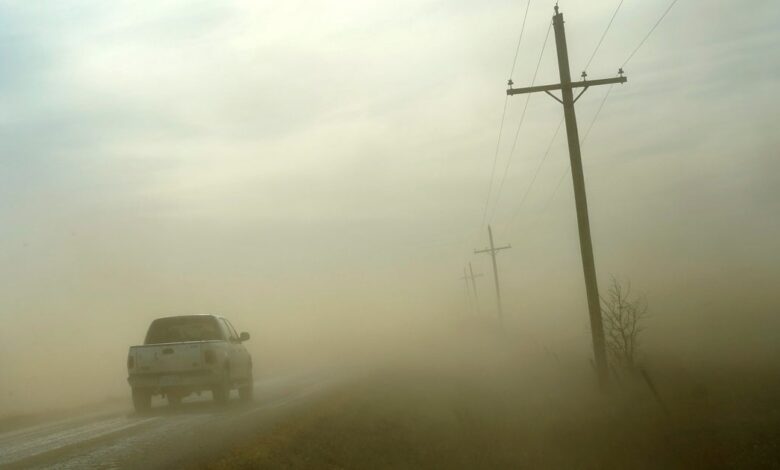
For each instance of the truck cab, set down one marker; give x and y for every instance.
(189, 354)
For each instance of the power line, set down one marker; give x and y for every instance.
(631, 56)
(520, 39)
(596, 116)
(536, 173)
(503, 117)
(568, 99)
(520, 125)
(495, 161)
(549, 147)
(582, 143)
(603, 35)
(641, 43)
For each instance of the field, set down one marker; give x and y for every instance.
(500, 411)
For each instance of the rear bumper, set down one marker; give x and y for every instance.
(194, 380)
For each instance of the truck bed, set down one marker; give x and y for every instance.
(169, 357)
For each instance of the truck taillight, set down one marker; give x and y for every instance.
(130, 362)
(209, 356)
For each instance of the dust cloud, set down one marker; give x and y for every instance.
(72, 340)
(317, 175)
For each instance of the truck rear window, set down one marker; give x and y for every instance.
(180, 329)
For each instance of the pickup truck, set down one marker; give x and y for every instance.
(189, 354)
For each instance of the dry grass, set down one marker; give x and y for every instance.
(460, 418)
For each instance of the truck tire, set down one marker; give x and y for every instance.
(142, 400)
(221, 394)
(221, 390)
(174, 400)
(246, 391)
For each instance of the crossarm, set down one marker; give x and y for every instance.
(488, 250)
(558, 86)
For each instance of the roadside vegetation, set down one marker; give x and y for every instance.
(508, 407)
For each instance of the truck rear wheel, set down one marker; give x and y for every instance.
(246, 391)
(142, 400)
(174, 399)
(221, 393)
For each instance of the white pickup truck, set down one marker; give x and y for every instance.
(189, 354)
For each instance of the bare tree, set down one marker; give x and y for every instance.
(623, 322)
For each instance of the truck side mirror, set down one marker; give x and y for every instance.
(244, 336)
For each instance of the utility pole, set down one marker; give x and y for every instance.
(586, 247)
(470, 276)
(474, 286)
(493, 250)
(465, 278)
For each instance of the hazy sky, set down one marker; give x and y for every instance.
(265, 159)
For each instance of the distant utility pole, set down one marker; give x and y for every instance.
(470, 276)
(466, 289)
(493, 250)
(586, 247)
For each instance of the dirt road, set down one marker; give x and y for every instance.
(163, 438)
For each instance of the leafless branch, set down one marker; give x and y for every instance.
(623, 316)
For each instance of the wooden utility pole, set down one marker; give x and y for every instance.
(493, 250)
(473, 278)
(586, 247)
(467, 286)
(465, 279)
(470, 276)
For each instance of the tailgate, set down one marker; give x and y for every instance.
(171, 357)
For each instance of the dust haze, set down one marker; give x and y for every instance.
(317, 173)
